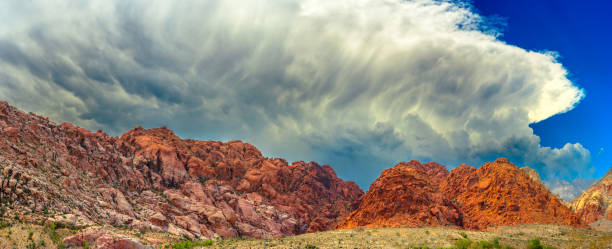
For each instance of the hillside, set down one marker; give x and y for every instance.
(406, 195)
(496, 194)
(152, 180)
(43, 237)
(593, 205)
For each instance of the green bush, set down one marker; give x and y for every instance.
(535, 244)
(463, 243)
(4, 224)
(31, 245)
(469, 244)
(188, 244)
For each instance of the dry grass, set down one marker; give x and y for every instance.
(23, 235)
(515, 236)
(17, 235)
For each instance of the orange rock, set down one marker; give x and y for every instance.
(594, 204)
(98, 238)
(405, 195)
(499, 193)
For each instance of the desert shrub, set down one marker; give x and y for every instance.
(536, 244)
(31, 245)
(311, 247)
(51, 230)
(469, 244)
(203, 180)
(463, 243)
(188, 244)
(463, 234)
(4, 224)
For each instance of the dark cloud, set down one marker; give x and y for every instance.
(360, 85)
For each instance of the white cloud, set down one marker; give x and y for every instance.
(568, 191)
(358, 84)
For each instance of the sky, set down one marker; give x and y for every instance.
(357, 84)
(578, 32)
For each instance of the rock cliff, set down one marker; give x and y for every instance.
(406, 195)
(498, 193)
(593, 205)
(151, 179)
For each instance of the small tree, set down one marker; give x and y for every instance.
(5, 181)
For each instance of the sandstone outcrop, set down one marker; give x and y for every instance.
(98, 238)
(406, 195)
(594, 205)
(498, 193)
(153, 180)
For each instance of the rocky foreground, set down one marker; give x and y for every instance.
(152, 180)
(520, 236)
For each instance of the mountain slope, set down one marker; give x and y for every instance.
(153, 180)
(405, 195)
(594, 205)
(498, 193)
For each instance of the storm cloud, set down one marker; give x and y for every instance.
(359, 85)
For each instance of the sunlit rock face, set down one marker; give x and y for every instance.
(406, 195)
(151, 179)
(593, 205)
(498, 193)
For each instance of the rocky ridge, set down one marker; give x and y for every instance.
(594, 205)
(406, 195)
(498, 193)
(151, 179)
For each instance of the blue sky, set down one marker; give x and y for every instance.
(357, 84)
(581, 32)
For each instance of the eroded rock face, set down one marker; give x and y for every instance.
(533, 174)
(406, 195)
(498, 193)
(98, 238)
(593, 205)
(151, 179)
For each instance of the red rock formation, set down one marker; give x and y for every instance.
(533, 174)
(499, 193)
(152, 179)
(98, 238)
(405, 195)
(594, 205)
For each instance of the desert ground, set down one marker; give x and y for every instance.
(23, 235)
